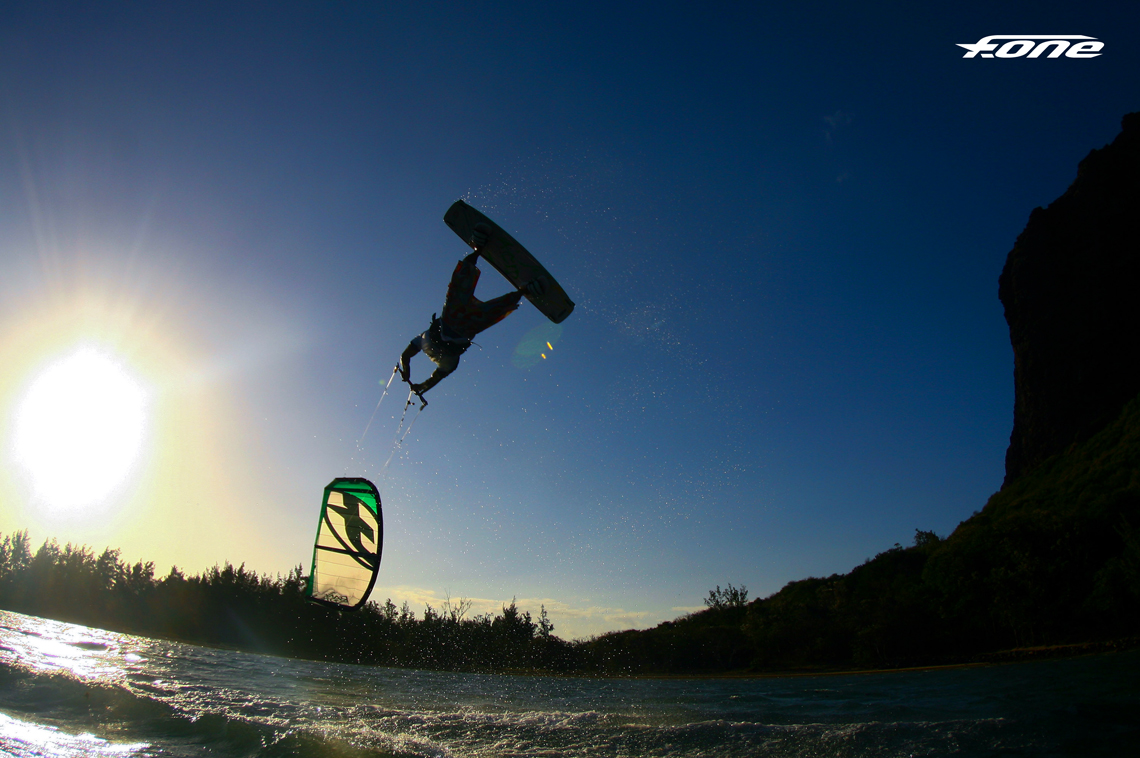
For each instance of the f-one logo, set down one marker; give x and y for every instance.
(1028, 46)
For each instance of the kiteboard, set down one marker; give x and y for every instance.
(511, 259)
(350, 539)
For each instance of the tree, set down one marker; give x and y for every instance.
(729, 597)
(545, 625)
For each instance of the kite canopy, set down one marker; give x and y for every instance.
(350, 538)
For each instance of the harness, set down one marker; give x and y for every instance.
(446, 341)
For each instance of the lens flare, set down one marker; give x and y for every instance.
(530, 350)
(80, 428)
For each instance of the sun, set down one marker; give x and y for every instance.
(80, 427)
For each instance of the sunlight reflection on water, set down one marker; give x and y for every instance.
(89, 654)
(24, 740)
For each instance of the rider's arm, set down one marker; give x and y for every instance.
(431, 381)
(405, 360)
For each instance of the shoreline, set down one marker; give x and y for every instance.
(997, 658)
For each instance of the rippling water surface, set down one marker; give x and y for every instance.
(68, 690)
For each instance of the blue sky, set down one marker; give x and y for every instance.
(783, 228)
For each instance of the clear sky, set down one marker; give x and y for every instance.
(782, 225)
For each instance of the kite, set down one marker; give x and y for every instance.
(350, 539)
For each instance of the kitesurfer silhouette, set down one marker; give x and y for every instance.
(463, 317)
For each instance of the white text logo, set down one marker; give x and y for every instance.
(1026, 45)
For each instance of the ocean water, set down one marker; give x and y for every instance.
(68, 690)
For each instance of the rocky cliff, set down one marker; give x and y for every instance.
(1071, 291)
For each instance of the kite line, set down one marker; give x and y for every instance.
(382, 396)
(402, 432)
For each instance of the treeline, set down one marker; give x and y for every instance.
(1053, 559)
(234, 607)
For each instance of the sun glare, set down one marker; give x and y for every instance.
(80, 428)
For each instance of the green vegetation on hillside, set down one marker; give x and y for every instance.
(1052, 559)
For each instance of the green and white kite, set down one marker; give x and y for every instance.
(350, 539)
